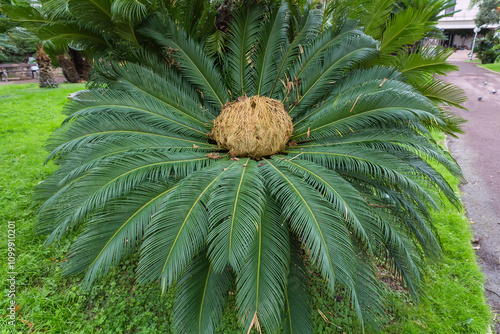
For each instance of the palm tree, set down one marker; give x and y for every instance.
(228, 173)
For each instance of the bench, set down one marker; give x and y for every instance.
(10, 69)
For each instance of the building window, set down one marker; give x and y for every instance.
(449, 10)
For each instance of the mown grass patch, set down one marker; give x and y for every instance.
(493, 67)
(48, 302)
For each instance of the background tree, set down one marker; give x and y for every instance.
(489, 13)
(15, 44)
(46, 75)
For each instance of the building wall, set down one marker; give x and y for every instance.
(464, 19)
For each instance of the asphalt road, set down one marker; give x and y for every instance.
(478, 153)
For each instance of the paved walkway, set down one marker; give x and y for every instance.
(478, 153)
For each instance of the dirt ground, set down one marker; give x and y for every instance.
(478, 153)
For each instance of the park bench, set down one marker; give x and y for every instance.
(21, 69)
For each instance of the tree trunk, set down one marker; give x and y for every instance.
(82, 66)
(224, 15)
(69, 69)
(46, 75)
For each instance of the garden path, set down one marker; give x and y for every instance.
(478, 153)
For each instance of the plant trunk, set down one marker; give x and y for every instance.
(69, 69)
(46, 75)
(224, 15)
(81, 65)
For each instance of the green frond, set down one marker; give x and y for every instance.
(402, 254)
(368, 299)
(235, 207)
(297, 309)
(391, 141)
(129, 10)
(335, 64)
(271, 41)
(344, 199)
(384, 166)
(199, 69)
(376, 14)
(95, 13)
(443, 93)
(321, 229)
(316, 50)
(403, 29)
(374, 81)
(214, 44)
(71, 204)
(369, 107)
(165, 86)
(310, 27)
(27, 16)
(424, 64)
(200, 297)
(78, 37)
(179, 228)
(102, 246)
(262, 280)
(244, 32)
(55, 9)
(318, 226)
(140, 107)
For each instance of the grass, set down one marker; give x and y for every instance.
(47, 302)
(494, 67)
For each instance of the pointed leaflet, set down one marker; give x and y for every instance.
(235, 207)
(200, 297)
(178, 230)
(261, 282)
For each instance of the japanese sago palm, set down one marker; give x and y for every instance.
(228, 174)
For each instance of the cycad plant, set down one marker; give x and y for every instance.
(228, 174)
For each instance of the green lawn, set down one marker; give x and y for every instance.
(50, 303)
(494, 67)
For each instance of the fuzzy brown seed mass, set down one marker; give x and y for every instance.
(254, 127)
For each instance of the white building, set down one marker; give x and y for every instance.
(459, 28)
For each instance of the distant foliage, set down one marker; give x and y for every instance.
(488, 13)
